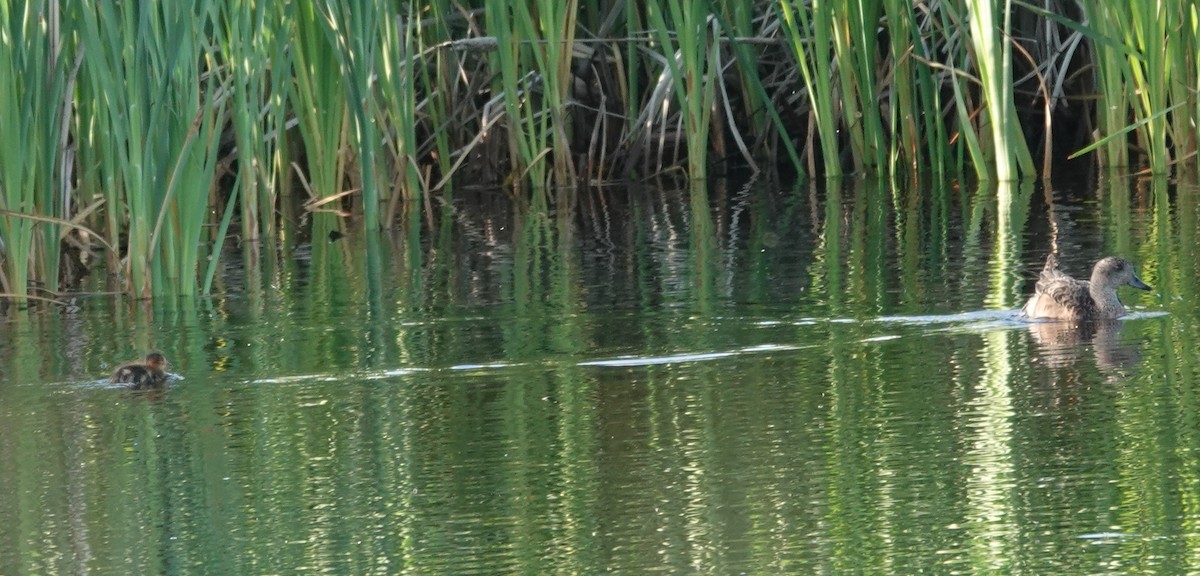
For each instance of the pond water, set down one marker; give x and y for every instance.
(738, 380)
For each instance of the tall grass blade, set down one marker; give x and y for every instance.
(148, 67)
(34, 75)
(318, 99)
(254, 40)
(855, 44)
(807, 32)
(399, 99)
(353, 35)
(690, 58)
(993, 59)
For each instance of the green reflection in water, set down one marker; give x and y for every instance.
(719, 381)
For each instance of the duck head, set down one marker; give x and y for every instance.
(1112, 272)
(156, 361)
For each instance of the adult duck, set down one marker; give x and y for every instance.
(1058, 296)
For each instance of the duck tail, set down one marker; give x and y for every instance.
(1050, 271)
(1051, 263)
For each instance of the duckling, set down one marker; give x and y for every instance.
(140, 375)
(1060, 297)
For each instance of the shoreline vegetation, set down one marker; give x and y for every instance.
(139, 136)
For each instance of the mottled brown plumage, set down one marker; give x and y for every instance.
(139, 375)
(1060, 297)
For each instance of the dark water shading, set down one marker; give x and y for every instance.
(754, 381)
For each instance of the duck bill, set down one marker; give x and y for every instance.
(1137, 283)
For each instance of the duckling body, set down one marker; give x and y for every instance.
(141, 375)
(1058, 296)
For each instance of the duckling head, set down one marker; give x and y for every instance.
(156, 360)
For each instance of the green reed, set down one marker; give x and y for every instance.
(114, 130)
(33, 76)
(535, 47)
(855, 45)
(755, 101)
(436, 83)
(808, 37)
(760, 123)
(690, 58)
(990, 33)
(554, 55)
(919, 139)
(964, 100)
(993, 60)
(318, 100)
(1180, 49)
(253, 38)
(1112, 68)
(150, 70)
(511, 57)
(354, 37)
(1146, 28)
(903, 122)
(191, 103)
(399, 98)
(632, 88)
(1146, 67)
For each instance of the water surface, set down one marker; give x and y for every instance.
(754, 380)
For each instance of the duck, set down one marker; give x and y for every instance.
(140, 375)
(1058, 296)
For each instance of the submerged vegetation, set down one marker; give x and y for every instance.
(140, 135)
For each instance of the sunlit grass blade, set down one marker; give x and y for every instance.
(1147, 32)
(317, 99)
(903, 123)
(807, 34)
(147, 66)
(34, 70)
(354, 38)
(554, 55)
(538, 38)
(989, 28)
(855, 43)
(691, 61)
(254, 39)
(398, 88)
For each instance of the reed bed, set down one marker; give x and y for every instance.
(35, 75)
(142, 136)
